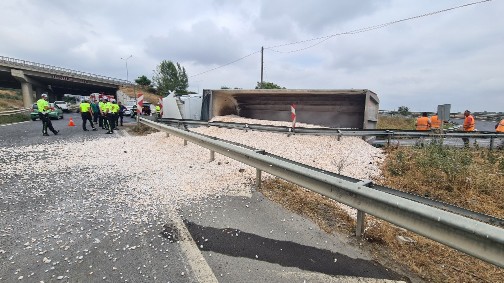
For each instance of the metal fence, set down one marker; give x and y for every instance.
(13, 112)
(16, 63)
(467, 235)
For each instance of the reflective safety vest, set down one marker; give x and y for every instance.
(500, 127)
(423, 124)
(101, 104)
(435, 122)
(469, 123)
(41, 105)
(114, 108)
(108, 107)
(158, 108)
(84, 107)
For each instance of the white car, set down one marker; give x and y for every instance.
(127, 111)
(63, 105)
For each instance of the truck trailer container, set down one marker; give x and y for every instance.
(341, 108)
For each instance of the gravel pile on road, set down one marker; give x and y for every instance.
(148, 171)
(98, 189)
(350, 156)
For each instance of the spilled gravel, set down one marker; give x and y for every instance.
(95, 190)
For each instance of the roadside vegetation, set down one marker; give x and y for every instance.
(11, 99)
(470, 178)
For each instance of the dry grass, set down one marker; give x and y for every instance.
(427, 259)
(10, 99)
(470, 178)
(396, 123)
(148, 96)
(140, 130)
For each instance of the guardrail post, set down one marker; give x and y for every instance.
(491, 143)
(185, 142)
(388, 139)
(359, 229)
(212, 155)
(258, 178)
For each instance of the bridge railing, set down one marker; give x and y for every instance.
(13, 62)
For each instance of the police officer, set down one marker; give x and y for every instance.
(115, 114)
(109, 117)
(43, 112)
(103, 115)
(86, 114)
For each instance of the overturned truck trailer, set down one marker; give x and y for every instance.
(354, 108)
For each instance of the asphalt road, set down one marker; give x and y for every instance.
(68, 226)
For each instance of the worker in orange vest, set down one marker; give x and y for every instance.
(469, 125)
(423, 123)
(499, 128)
(435, 122)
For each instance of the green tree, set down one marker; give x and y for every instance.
(403, 110)
(143, 81)
(170, 77)
(268, 85)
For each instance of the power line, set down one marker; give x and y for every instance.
(225, 64)
(327, 37)
(366, 29)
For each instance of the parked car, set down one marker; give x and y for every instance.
(55, 113)
(146, 108)
(127, 111)
(63, 105)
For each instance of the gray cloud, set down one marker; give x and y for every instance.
(454, 57)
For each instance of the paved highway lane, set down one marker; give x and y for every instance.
(91, 207)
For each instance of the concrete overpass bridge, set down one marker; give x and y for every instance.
(34, 79)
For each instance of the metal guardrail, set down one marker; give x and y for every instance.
(467, 235)
(13, 62)
(385, 134)
(12, 112)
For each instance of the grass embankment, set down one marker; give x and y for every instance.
(11, 99)
(396, 123)
(133, 92)
(470, 178)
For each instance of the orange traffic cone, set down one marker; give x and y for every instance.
(71, 123)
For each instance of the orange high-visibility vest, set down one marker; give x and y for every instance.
(435, 122)
(423, 124)
(469, 123)
(500, 127)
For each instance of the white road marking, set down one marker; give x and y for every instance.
(194, 258)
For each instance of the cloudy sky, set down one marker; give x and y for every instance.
(455, 57)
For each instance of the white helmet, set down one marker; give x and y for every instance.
(44, 95)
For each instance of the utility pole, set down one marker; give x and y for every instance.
(262, 65)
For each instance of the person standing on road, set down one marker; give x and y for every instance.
(86, 114)
(101, 118)
(122, 108)
(435, 122)
(423, 123)
(96, 111)
(43, 113)
(158, 111)
(115, 114)
(469, 126)
(109, 122)
(103, 114)
(499, 127)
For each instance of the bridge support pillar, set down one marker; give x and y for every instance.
(27, 92)
(26, 86)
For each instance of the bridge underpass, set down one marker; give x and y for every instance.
(34, 79)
